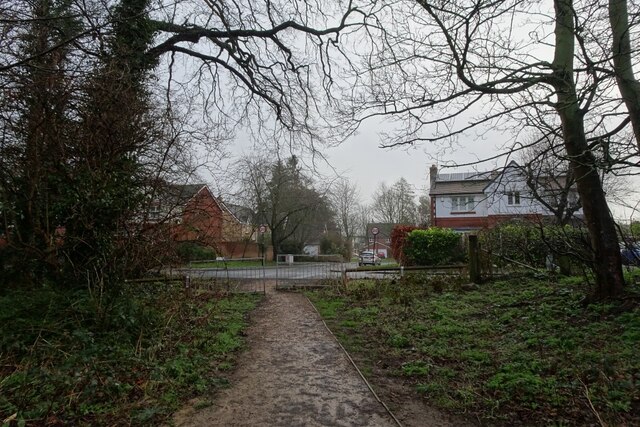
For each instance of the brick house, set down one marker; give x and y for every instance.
(473, 200)
(382, 241)
(193, 214)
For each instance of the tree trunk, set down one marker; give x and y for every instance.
(607, 262)
(621, 51)
(274, 244)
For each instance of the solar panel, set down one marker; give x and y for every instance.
(463, 176)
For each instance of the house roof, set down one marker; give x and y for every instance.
(242, 213)
(459, 187)
(178, 195)
(477, 182)
(465, 182)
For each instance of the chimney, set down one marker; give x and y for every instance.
(433, 173)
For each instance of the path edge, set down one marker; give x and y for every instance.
(344, 350)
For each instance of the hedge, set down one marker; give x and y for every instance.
(433, 246)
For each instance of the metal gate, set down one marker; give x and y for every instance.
(256, 274)
(300, 271)
(230, 275)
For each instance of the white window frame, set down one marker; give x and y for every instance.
(462, 203)
(513, 198)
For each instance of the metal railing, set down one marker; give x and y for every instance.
(231, 275)
(301, 270)
(382, 272)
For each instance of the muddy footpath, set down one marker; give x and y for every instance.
(294, 373)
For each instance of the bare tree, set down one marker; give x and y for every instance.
(345, 201)
(622, 55)
(364, 217)
(395, 204)
(424, 211)
(442, 60)
(549, 180)
(282, 197)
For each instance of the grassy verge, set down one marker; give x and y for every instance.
(71, 358)
(513, 352)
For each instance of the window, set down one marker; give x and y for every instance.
(513, 198)
(462, 204)
(155, 212)
(471, 203)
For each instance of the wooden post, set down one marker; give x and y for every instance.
(187, 285)
(474, 259)
(490, 265)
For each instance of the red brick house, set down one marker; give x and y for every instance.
(381, 244)
(193, 214)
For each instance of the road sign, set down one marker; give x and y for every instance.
(375, 231)
(262, 229)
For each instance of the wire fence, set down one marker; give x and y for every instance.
(302, 270)
(236, 275)
(290, 271)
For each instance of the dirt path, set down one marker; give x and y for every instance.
(293, 374)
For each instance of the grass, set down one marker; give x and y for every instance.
(524, 351)
(67, 358)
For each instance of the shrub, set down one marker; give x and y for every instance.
(398, 240)
(432, 246)
(333, 244)
(531, 244)
(291, 247)
(193, 251)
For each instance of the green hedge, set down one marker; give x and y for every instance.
(193, 251)
(433, 246)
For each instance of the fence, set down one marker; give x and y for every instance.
(301, 270)
(230, 275)
(400, 272)
(256, 274)
(297, 271)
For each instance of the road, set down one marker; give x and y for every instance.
(298, 272)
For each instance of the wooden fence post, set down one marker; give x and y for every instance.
(187, 285)
(474, 259)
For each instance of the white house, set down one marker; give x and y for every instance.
(473, 200)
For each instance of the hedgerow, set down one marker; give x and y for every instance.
(433, 246)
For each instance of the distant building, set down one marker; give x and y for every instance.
(474, 200)
(381, 243)
(191, 213)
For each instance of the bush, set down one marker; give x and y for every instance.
(193, 251)
(532, 244)
(333, 244)
(291, 247)
(432, 246)
(398, 240)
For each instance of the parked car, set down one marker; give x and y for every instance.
(368, 258)
(630, 254)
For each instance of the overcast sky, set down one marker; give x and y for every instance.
(361, 159)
